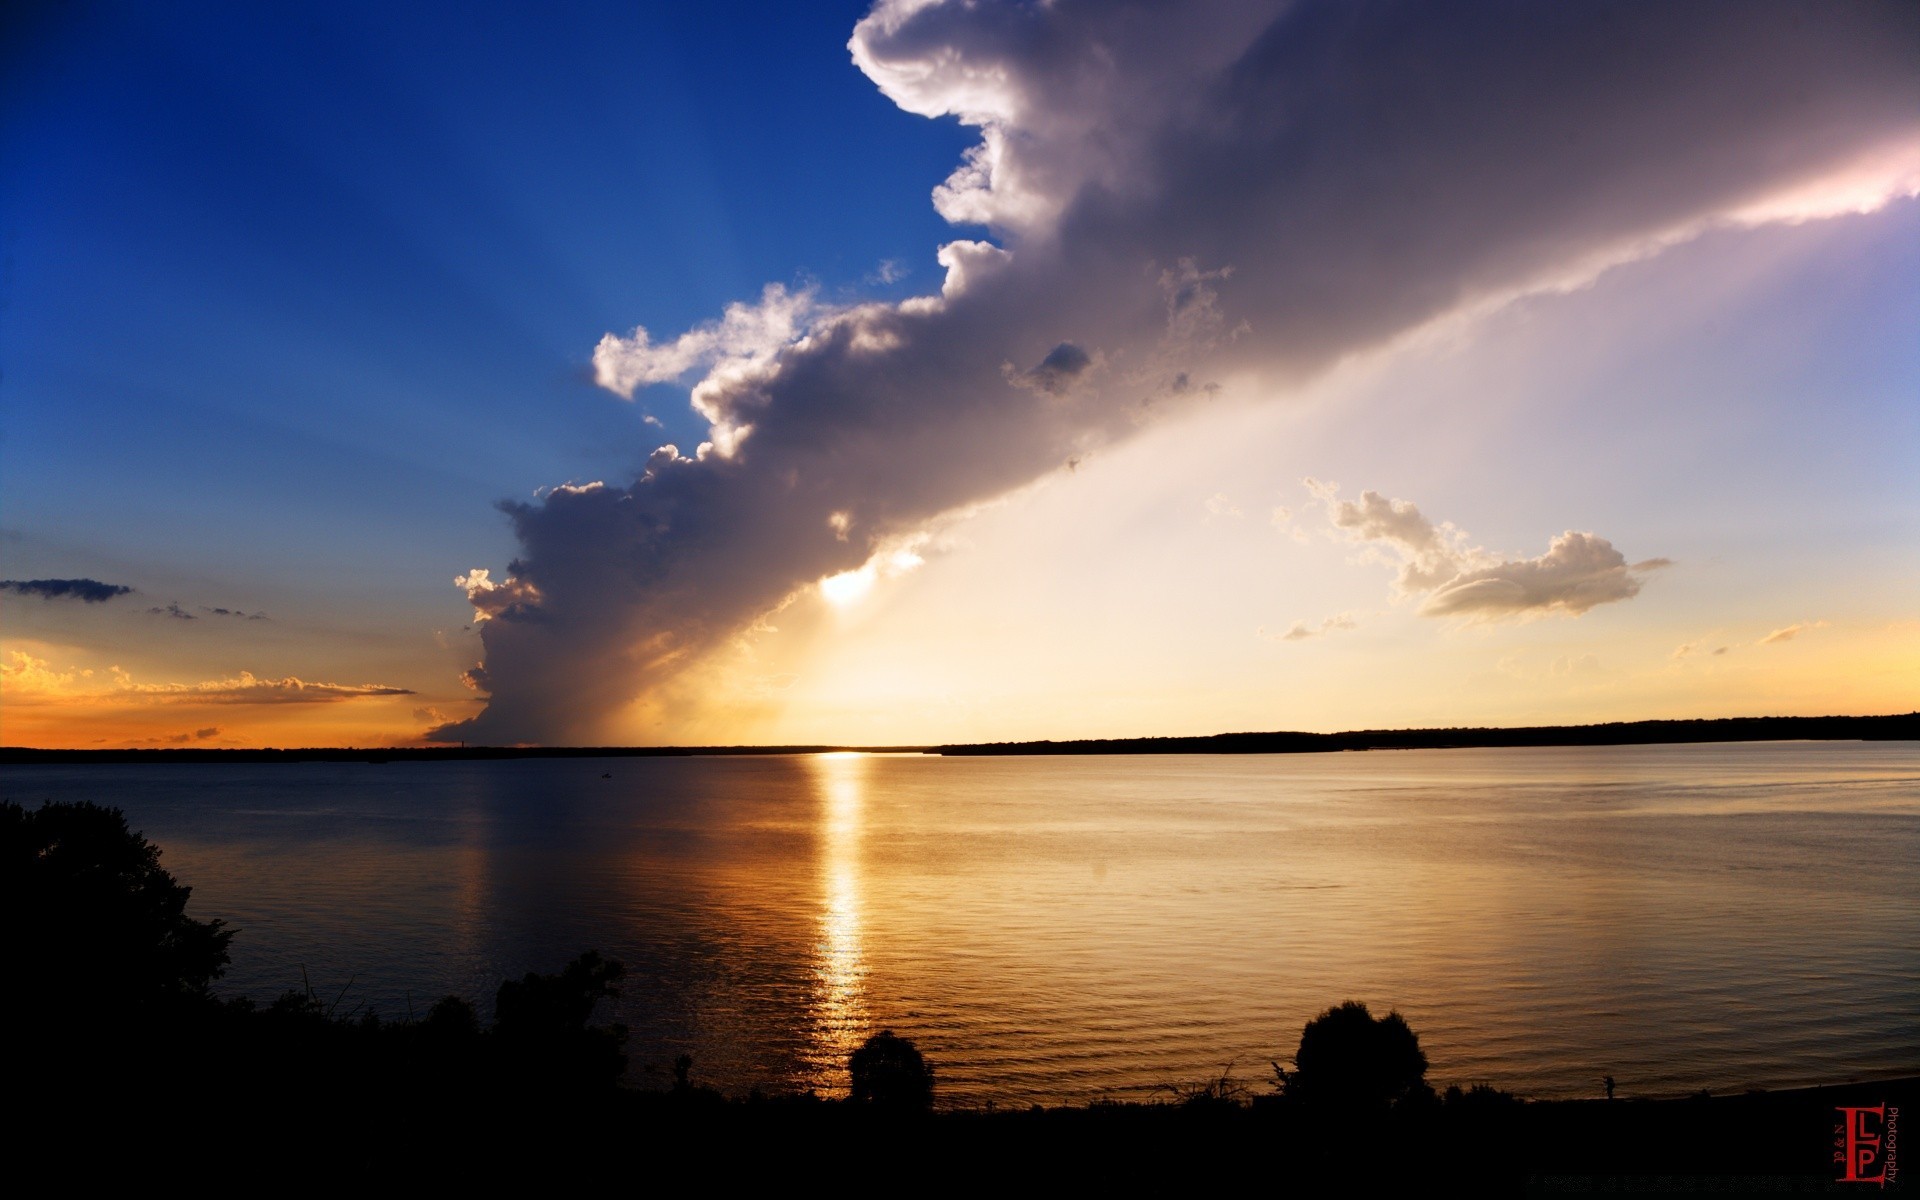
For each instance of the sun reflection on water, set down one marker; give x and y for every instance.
(839, 969)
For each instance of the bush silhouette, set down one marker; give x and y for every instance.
(92, 924)
(889, 1073)
(540, 1024)
(1349, 1059)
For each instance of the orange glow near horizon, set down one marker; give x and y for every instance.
(46, 707)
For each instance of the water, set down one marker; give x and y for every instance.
(1071, 929)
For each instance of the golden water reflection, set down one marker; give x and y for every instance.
(838, 967)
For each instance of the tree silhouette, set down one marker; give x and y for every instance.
(889, 1073)
(1349, 1059)
(92, 925)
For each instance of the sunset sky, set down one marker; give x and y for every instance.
(735, 373)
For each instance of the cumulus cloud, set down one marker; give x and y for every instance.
(23, 674)
(174, 611)
(87, 591)
(1252, 190)
(744, 335)
(1455, 579)
(1577, 572)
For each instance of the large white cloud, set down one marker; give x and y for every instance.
(1180, 195)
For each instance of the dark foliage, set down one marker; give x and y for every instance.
(1349, 1059)
(889, 1073)
(93, 927)
(541, 1023)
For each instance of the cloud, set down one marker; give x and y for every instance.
(1687, 650)
(179, 739)
(1789, 632)
(1300, 631)
(1430, 555)
(88, 591)
(25, 675)
(179, 613)
(236, 614)
(1578, 571)
(246, 688)
(746, 337)
(1057, 374)
(1256, 191)
(1221, 505)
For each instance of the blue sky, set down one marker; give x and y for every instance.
(294, 296)
(345, 262)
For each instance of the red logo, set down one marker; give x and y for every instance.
(1865, 1144)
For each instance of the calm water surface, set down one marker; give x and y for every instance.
(1067, 929)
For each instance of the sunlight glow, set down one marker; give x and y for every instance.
(847, 587)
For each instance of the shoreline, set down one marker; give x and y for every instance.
(1895, 727)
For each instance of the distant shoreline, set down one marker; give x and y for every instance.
(1900, 727)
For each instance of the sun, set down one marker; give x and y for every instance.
(848, 587)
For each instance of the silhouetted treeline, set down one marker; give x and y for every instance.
(1901, 727)
(1904, 727)
(27, 755)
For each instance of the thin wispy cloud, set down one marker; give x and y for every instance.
(30, 679)
(1162, 200)
(234, 613)
(1787, 633)
(1301, 631)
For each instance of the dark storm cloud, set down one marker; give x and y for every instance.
(88, 591)
(1058, 372)
(1179, 195)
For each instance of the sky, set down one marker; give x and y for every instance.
(740, 374)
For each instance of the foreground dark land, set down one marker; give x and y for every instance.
(1899, 727)
(313, 1111)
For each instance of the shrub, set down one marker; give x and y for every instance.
(1350, 1059)
(889, 1073)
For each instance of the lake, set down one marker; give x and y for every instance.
(1067, 929)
